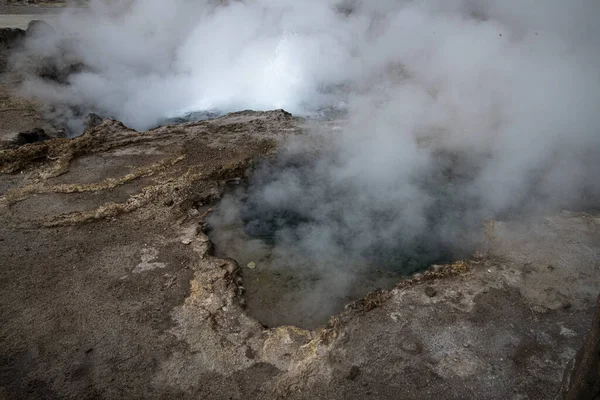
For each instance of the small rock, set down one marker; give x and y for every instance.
(566, 332)
(202, 238)
(429, 291)
(539, 309)
(187, 241)
(251, 265)
(411, 346)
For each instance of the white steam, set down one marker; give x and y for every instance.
(457, 110)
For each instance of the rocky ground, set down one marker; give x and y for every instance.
(21, 119)
(109, 288)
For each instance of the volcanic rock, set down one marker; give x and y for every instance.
(92, 120)
(31, 136)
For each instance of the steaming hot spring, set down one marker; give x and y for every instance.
(308, 244)
(422, 120)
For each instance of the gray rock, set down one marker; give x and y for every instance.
(581, 379)
(92, 120)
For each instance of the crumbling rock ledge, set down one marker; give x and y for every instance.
(110, 290)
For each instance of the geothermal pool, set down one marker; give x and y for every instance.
(294, 276)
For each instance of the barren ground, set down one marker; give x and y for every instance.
(109, 290)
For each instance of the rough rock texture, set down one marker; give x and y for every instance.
(109, 290)
(582, 376)
(11, 37)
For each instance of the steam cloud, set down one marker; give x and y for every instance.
(457, 110)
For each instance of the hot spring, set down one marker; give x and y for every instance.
(308, 248)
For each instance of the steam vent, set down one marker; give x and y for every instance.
(273, 199)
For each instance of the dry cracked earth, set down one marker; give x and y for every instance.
(109, 288)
